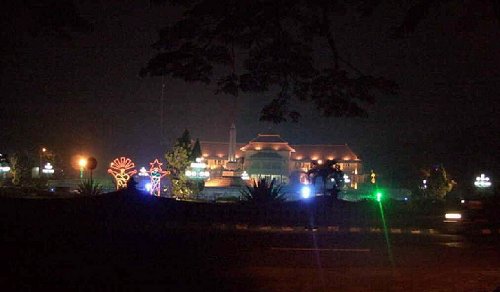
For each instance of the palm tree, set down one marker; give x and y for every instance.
(263, 192)
(326, 171)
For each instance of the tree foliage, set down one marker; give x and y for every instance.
(326, 171)
(257, 46)
(470, 11)
(438, 183)
(263, 192)
(196, 151)
(21, 164)
(178, 160)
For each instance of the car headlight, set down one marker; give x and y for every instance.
(453, 216)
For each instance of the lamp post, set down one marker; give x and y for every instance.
(40, 162)
(82, 163)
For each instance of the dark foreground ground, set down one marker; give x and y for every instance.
(47, 247)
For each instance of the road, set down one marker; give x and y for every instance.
(213, 260)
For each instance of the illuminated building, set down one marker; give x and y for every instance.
(269, 155)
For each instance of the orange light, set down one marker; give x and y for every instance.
(82, 162)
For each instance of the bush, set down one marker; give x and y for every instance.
(89, 188)
(263, 192)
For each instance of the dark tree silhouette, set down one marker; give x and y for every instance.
(263, 192)
(258, 46)
(325, 171)
(467, 11)
(196, 151)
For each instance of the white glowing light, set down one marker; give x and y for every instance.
(48, 168)
(198, 165)
(5, 168)
(482, 181)
(305, 192)
(346, 178)
(197, 170)
(147, 186)
(143, 172)
(245, 176)
(453, 216)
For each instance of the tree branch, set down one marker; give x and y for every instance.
(325, 27)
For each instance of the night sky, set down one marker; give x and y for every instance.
(85, 95)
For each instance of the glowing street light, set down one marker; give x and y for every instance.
(41, 155)
(82, 163)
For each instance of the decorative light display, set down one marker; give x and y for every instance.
(346, 178)
(245, 176)
(482, 181)
(197, 170)
(156, 173)
(424, 184)
(373, 177)
(143, 172)
(122, 169)
(48, 168)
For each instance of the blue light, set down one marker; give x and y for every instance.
(147, 186)
(305, 192)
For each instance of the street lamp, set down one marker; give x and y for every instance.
(40, 164)
(82, 163)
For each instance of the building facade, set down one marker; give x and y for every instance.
(269, 155)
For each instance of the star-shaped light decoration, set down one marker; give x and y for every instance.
(156, 173)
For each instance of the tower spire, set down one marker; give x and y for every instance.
(232, 143)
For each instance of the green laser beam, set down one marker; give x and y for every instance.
(386, 233)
